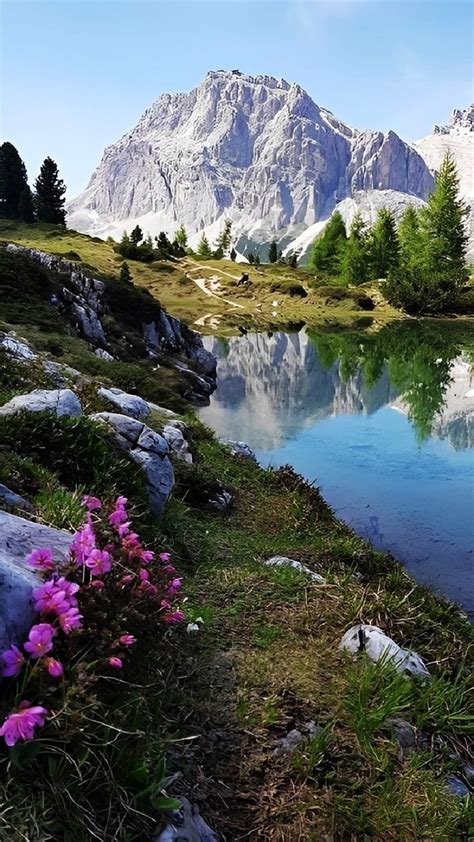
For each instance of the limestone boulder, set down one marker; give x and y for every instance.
(376, 644)
(127, 404)
(61, 402)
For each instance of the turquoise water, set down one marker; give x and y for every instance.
(382, 422)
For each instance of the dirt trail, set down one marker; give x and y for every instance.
(203, 284)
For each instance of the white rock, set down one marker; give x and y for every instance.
(176, 441)
(128, 404)
(283, 561)
(61, 402)
(18, 537)
(103, 354)
(240, 448)
(16, 348)
(375, 643)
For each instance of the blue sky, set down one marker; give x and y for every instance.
(77, 74)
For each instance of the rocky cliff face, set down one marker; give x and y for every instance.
(255, 149)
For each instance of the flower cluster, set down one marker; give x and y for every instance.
(106, 555)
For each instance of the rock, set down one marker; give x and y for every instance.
(457, 787)
(239, 448)
(103, 354)
(283, 561)
(18, 537)
(468, 771)
(186, 826)
(147, 449)
(14, 501)
(131, 405)
(404, 733)
(18, 349)
(59, 373)
(177, 443)
(312, 729)
(221, 501)
(289, 743)
(375, 643)
(62, 402)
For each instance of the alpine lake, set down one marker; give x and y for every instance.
(381, 419)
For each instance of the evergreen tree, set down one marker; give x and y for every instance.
(125, 274)
(49, 194)
(181, 237)
(432, 268)
(354, 264)
(13, 183)
(224, 239)
(327, 250)
(218, 254)
(251, 257)
(383, 246)
(233, 254)
(26, 208)
(163, 245)
(137, 235)
(273, 252)
(257, 260)
(442, 225)
(293, 260)
(204, 249)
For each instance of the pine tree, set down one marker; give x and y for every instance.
(251, 257)
(125, 274)
(432, 267)
(257, 260)
(137, 235)
(49, 194)
(383, 245)
(204, 249)
(26, 208)
(442, 225)
(163, 245)
(354, 265)
(273, 252)
(233, 254)
(13, 182)
(327, 250)
(293, 260)
(181, 237)
(224, 239)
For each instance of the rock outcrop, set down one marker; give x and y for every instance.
(131, 405)
(257, 150)
(376, 644)
(148, 449)
(18, 537)
(61, 402)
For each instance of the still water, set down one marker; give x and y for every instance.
(381, 420)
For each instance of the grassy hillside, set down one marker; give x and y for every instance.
(277, 294)
(203, 714)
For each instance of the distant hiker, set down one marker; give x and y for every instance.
(243, 280)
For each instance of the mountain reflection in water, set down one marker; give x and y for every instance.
(383, 421)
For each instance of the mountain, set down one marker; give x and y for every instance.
(255, 149)
(456, 137)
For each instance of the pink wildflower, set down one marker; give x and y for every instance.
(173, 587)
(116, 663)
(127, 639)
(170, 568)
(124, 529)
(40, 640)
(125, 580)
(69, 588)
(174, 617)
(54, 667)
(50, 599)
(97, 584)
(91, 503)
(99, 562)
(165, 603)
(21, 725)
(165, 556)
(83, 543)
(146, 556)
(70, 620)
(121, 502)
(144, 575)
(13, 660)
(41, 559)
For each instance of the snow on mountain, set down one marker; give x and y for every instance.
(257, 150)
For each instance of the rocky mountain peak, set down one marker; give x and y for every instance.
(460, 122)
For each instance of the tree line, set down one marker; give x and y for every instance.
(17, 201)
(423, 261)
